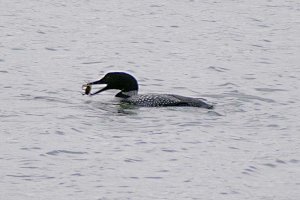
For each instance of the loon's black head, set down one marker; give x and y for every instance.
(120, 81)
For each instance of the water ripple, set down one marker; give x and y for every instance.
(57, 152)
(269, 89)
(247, 97)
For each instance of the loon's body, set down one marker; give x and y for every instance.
(156, 100)
(129, 93)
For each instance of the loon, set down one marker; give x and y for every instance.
(129, 93)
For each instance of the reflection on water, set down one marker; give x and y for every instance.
(58, 144)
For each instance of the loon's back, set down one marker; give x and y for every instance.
(159, 100)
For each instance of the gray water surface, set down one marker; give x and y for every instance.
(242, 56)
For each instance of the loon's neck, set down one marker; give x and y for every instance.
(128, 94)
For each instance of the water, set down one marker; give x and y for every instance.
(243, 56)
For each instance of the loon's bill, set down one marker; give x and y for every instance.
(128, 87)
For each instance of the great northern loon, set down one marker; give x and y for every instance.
(129, 93)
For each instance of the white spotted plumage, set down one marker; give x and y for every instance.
(155, 100)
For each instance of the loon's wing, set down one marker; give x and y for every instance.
(153, 100)
(189, 101)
